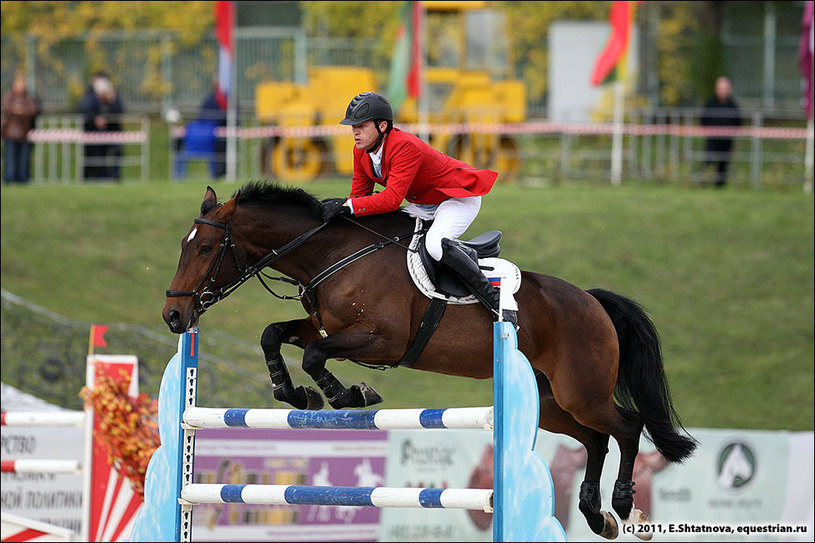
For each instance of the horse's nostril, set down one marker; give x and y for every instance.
(173, 317)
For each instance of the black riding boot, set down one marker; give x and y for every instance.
(463, 260)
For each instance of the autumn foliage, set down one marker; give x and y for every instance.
(127, 427)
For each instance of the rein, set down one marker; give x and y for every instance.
(205, 297)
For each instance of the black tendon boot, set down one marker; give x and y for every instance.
(463, 260)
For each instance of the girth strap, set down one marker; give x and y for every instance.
(430, 320)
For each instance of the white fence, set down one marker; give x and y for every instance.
(60, 149)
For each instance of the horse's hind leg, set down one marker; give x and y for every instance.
(622, 498)
(297, 332)
(625, 426)
(554, 419)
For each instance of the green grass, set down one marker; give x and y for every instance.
(727, 277)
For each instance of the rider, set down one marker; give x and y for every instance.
(438, 186)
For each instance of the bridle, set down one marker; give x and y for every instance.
(205, 296)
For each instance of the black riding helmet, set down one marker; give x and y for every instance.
(367, 106)
(370, 106)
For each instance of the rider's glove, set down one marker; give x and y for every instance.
(333, 207)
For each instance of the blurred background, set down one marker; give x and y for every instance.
(596, 114)
(504, 85)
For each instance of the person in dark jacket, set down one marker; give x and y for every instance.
(720, 111)
(19, 111)
(101, 109)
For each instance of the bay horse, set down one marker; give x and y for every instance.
(588, 348)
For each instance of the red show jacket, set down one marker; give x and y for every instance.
(414, 171)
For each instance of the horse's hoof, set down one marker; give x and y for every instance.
(314, 400)
(367, 395)
(638, 517)
(610, 528)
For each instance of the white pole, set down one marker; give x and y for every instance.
(424, 105)
(808, 158)
(232, 106)
(617, 137)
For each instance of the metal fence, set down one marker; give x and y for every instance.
(155, 70)
(660, 146)
(665, 145)
(44, 353)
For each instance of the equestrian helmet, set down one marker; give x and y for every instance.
(367, 106)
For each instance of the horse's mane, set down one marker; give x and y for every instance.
(269, 192)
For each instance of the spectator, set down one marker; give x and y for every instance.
(20, 109)
(101, 108)
(211, 110)
(720, 111)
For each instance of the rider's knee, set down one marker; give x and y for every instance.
(433, 245)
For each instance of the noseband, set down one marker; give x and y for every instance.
(205, 297)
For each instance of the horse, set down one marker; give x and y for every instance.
(596, 354)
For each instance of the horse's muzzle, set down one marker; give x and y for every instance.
(175, 320)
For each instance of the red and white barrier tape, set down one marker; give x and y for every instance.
(264, 132)
(64, 135)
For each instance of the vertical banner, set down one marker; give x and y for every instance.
(110, 503)
(224, 25)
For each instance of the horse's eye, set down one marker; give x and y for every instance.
(205, 249)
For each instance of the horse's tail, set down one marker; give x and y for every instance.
(641, 382)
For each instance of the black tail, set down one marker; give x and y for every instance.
(641, 382)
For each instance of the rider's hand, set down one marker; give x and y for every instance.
(334, 207)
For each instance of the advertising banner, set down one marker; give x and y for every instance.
(286, 457)
(55, 499)
(740, 485)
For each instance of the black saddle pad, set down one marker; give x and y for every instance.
(446, 280)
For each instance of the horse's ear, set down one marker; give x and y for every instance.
(228, 208)
(210, 201)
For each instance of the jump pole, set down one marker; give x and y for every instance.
(522, 498)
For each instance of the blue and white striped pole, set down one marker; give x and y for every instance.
(430, 498)
(344, 419)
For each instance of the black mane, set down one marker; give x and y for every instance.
(269, 192)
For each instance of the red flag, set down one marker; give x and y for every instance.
(406, 63)
(224, 24)
(98, 335)
(805, 56)
(414, 87)
(620, 18)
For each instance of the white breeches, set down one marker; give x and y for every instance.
(452, 218)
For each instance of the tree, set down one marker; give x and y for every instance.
(53, 22)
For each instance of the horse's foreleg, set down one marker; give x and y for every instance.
(349, 343)
(296, 332)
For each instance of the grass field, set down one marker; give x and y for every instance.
(727, 277)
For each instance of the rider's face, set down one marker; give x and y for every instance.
(365, 135)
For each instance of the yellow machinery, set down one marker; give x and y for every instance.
(456, 90)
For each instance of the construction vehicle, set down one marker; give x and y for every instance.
(458, 88)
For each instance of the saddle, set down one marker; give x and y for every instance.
(435, 280)
(442, 286)
(443, 278)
